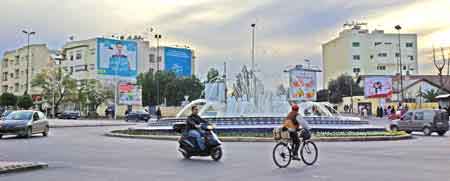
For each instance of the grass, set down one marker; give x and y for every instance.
(267, 134)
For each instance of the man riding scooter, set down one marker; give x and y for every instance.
(193, 124)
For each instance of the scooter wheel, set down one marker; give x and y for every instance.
(216, 154)
(185, 155)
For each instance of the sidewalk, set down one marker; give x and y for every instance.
(8, 166)
(63, 123)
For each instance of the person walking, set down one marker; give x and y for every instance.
(158, 113)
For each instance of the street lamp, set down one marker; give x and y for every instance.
(253, 25)
(398, 28)
(28, 33)
(351, 90)
(157, 37)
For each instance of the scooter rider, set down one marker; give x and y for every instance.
(193, 123)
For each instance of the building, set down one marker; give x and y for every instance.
(80, 58)
(358, 51)
(413, 85)
(181, 60)
(14, 64)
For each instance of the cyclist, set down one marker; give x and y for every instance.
(292, 125)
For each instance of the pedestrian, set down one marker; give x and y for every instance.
(158, 113)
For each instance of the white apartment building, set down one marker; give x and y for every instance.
(14, 64)
(358, 51)
(80, 58)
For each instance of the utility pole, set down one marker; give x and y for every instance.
(157, 37)
(398, 28)
(225, 79)
(28, 33)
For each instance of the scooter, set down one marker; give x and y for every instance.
(189, 147)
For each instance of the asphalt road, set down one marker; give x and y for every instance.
(76, 154)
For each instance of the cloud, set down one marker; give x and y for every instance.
(286, 33)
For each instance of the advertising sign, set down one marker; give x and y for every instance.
(378, 87)
(130, 94)
(303, 85)
(178, 60)
(116, 58)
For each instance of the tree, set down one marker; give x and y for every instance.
(8, 99)
(172, 88)
(440, 67)
(213, 75)
(430, 95)
(55, 82)
(281, 90)
(97, 94)
(25, 102)
(323, 95)
(340, 87)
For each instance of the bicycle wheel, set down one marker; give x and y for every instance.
(281, 155)
(309, 152)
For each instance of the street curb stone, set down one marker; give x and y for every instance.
(88, 125)
(256, 139)
(22, 167)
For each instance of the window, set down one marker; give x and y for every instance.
(78, 55)
(387, 43)
(71, 70)
(5, 88)
(5, 63)
(371, 56)
(71, 57)
(409, 44)
(152, 58)
(404, 67)
(408, 116)
(92, 67)
(11, 75)
(382, 54)
(397, 54)
(418, 116)
(17, 73)
(381, 67)
(356, 70)
(355, 44)
(159, 58)
(5, 76)
(410, 57)
(377, 43)
(356, 57)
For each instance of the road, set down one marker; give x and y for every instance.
(75, 154)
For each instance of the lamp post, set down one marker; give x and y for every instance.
(398, 28)
(157, 37)
(28, 33)
(253, 25)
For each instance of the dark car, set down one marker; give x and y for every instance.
(427, 121)
(24, 124)
(70, 115)
(138, 116)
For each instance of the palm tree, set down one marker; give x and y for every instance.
(430, 95)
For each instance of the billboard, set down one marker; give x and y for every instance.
(116, 58)
(130, 93)
(302, 85)
(378, 87)
(178, 60)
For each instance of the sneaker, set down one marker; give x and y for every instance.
(295, 157)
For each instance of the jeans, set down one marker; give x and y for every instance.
(295, 141)
(198, 135)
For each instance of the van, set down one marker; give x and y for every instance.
(427, 121)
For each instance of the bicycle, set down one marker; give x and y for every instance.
(282, 152)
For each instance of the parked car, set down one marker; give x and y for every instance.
(4, 114)
(138, 116)
(427, 121)
(24, 124)
(70, 115)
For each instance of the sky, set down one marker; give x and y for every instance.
(287, 31)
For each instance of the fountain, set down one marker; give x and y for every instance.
(247, 109)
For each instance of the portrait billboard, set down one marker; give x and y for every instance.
(303, 85)
(378, 87)
(178, 60)
(116, 58)
(130, 94)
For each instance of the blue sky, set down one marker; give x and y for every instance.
(287, 31)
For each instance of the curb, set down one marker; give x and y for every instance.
(256, 139)
(88, 125)
(22, 167)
